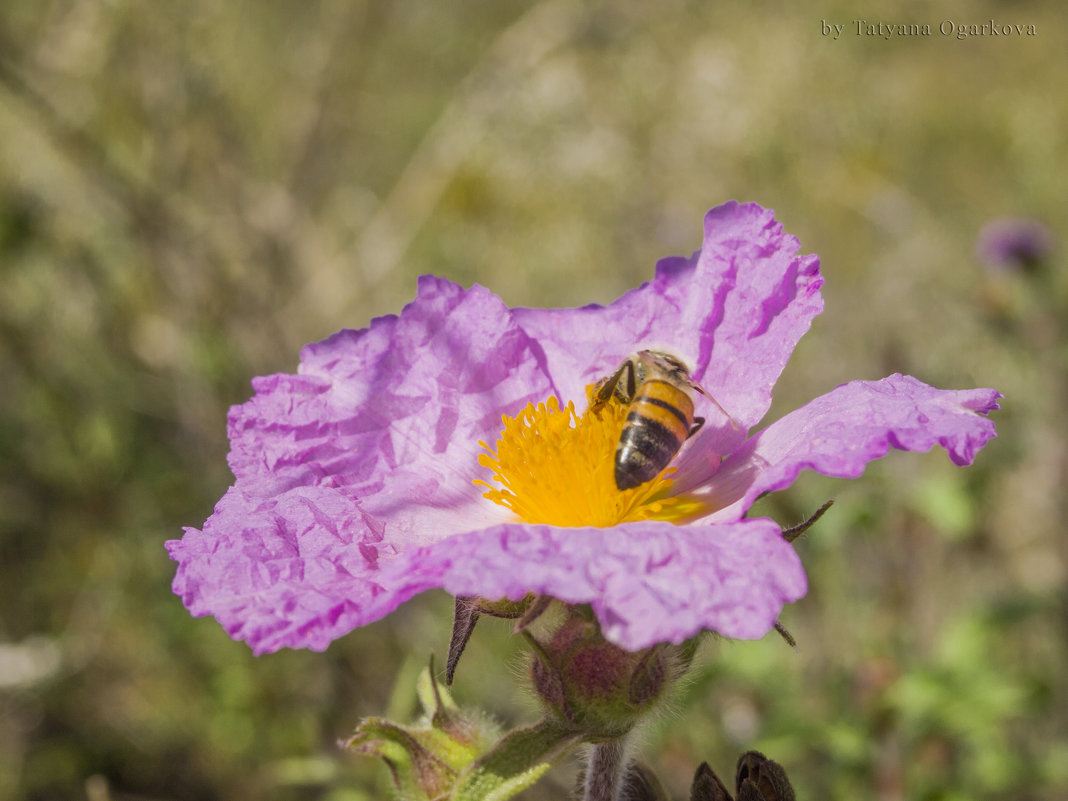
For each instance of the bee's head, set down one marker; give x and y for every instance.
(665, 361)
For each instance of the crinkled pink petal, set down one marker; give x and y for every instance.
(308, 566)
(298, 569)
(647, 582)
(838, 433)
(393, 414)
(734, 311)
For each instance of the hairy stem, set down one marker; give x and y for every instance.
(604, 773)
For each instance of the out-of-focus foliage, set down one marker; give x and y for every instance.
(190, 191)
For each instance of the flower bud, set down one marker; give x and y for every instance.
(757, 778)
(595, 686)
(707, 786)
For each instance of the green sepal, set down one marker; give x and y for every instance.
(516, 762)
(452, 754)
(426, 757)
(418, 772)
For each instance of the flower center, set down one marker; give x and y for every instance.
(558, 468)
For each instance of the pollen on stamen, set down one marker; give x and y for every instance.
(556, 467)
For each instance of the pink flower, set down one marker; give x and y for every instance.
(355, 478)
(1013, 243)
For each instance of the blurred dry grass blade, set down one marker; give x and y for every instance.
(466, 118)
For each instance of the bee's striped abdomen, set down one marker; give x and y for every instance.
(659, 421)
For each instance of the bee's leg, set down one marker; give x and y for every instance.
(697, 423)
(632, 383)
(606, 387)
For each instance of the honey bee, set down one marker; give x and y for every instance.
(658, 389)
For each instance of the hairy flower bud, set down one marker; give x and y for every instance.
(757, 778)
(595, 686)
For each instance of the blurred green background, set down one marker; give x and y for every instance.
(191, 191)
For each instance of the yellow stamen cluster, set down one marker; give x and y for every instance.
(558, 468)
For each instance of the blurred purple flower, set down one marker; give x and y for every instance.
(355, 477)
(1011, 243)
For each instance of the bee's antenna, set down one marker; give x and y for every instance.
(726, 414)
